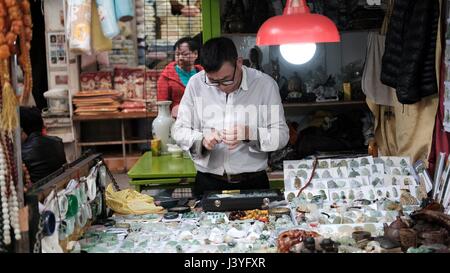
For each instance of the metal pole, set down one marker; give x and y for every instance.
(17, 138)
(22, 245)
(124, 147)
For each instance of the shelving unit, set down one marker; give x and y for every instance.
(239, 34)
(123, 141)
(335, 106)
(119, 116)
(324, 104)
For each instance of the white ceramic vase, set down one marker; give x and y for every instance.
(162, 124)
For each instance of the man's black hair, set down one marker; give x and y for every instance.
(31, 120)
(217, 51)
(192, 44)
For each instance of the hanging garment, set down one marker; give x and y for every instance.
(407, 130)
(374, 89)
(79, 26)
(384, 128)
(107, 16)
(410, 50)
(384, 124)
(99, 42)
(441, 139)
(124, 10)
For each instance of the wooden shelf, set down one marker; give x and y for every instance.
(359, 30)
(115, 116)
(324, 104)
(239, 34)
(122, 141)
(118, 142)
(143, 141)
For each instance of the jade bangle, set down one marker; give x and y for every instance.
(72, 209)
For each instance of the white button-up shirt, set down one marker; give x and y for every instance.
(256, 104)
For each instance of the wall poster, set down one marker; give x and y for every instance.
(57, 53)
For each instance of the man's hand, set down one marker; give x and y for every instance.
(235, 135)
(211, 140)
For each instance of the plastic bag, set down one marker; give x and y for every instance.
(79, 26)
(130, 202)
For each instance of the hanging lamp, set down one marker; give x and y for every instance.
(297, 31)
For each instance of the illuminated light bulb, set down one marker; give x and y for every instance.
(298, 53)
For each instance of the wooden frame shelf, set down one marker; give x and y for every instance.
(115, 116)
(104, 143)
(324, 104)
(119, 117)
(239, 34)
(327, 106)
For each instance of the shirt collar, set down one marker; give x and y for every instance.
(244, 83)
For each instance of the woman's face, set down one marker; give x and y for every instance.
(184, 57)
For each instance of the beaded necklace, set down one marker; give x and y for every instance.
(16, 21)
(26, 178)
(10, 204)
(4, 197)
(2, 245)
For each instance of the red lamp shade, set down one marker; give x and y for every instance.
(297, 25)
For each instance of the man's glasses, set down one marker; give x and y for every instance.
(222, 82)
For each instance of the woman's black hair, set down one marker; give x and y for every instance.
(217, 51)
(192, 44)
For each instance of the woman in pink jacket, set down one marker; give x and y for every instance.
(176, 75)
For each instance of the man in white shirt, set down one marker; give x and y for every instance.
(229, 119)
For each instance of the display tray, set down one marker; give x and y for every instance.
(240, 200)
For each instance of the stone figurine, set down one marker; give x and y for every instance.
(255, 58)
(281, 81)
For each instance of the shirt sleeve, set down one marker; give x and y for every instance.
(187, 129)
(272, 133)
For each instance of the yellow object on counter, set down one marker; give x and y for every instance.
(156, 147)
(347, 91)
(130, 202)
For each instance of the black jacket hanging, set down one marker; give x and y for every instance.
(409, 63)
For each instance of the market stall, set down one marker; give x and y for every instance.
(356, 175)
(370, 205)
(65, 204)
